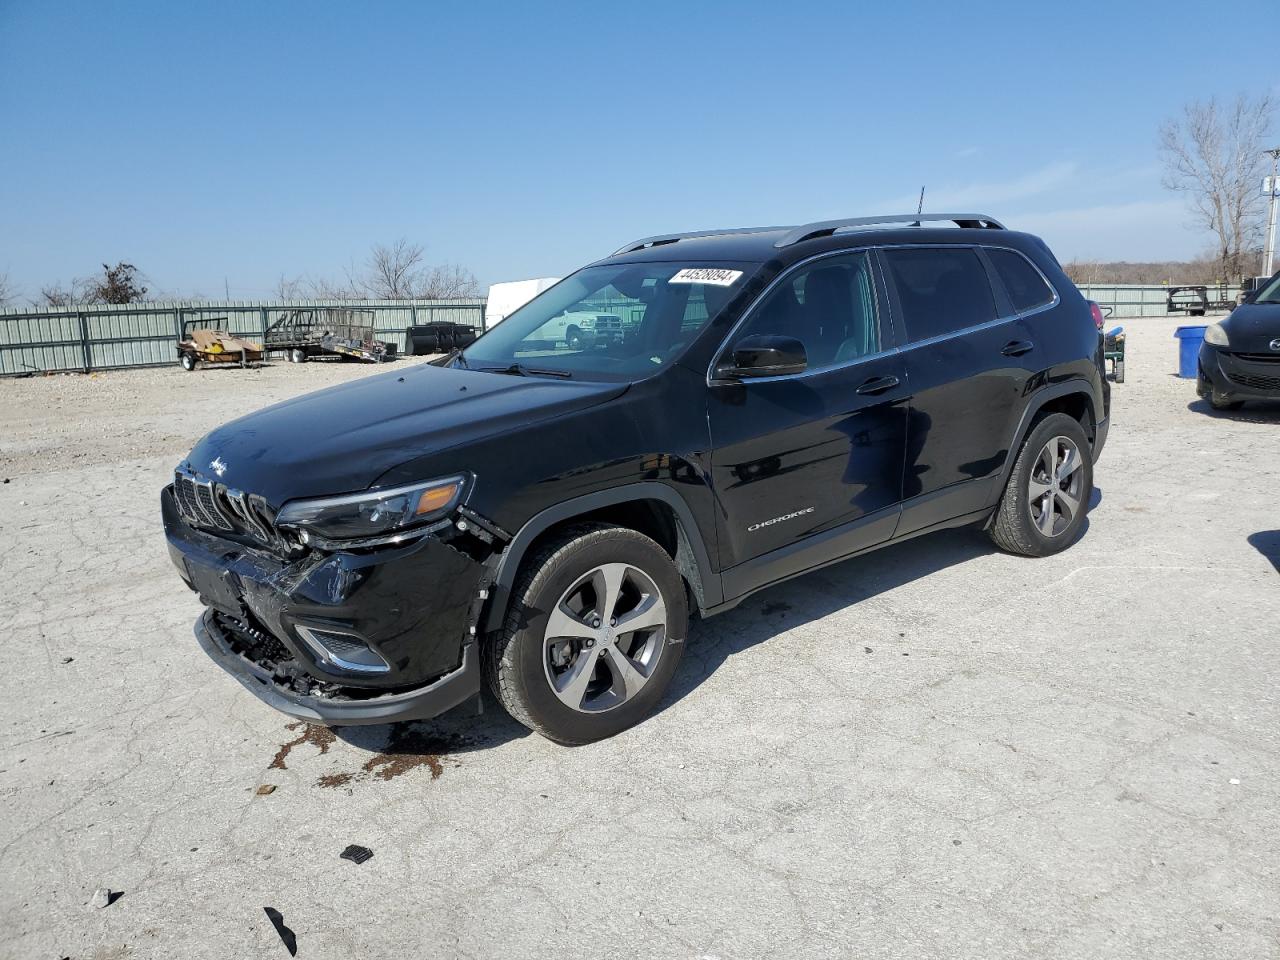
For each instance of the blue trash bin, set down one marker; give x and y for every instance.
(1189, 340)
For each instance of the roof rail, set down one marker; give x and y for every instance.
(824, 228)
(662, 238)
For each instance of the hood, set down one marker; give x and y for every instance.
(1252, 326)
(342, 439)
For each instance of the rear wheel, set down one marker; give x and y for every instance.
(1044, 504)
(594, 635)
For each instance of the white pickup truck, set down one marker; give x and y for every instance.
(579, 329)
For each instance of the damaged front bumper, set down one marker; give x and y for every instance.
(342, 638)
(336, 709)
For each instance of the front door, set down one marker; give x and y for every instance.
(808, 467)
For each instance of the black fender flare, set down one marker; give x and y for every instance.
(1034, 405)
(711, 591)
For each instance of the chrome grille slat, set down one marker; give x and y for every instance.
(209, 505)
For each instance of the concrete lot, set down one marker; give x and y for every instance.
(936, 751)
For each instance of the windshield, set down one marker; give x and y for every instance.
(1270, 292)
(620, 322)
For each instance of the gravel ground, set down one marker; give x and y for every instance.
(937, 750)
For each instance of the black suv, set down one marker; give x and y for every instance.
(553, 515)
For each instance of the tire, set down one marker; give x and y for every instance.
(621, 675)
(188, 361)
(297, 355)
(1119, 377)
(573, 338)
(1219, 402)
(1021, 525)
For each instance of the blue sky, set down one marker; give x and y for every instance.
(247, 140)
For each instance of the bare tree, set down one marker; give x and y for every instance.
(56, 295)
(288, 289)
(7, 291)
(448, 282)
(1213, 153)
(400, 272)
(118, 284)
(395, 272)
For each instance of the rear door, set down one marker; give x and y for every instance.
(968, 359)
(809, 466)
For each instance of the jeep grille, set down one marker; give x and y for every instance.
(209, 505)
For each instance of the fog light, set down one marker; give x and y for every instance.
(346, 651)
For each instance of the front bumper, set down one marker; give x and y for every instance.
(431, 700)
(1236, 377)
(415, 606)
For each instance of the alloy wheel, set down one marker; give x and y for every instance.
(604, 638)
(1056, 486)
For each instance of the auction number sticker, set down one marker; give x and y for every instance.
(712, 276)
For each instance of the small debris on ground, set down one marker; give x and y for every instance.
(286, 935)
(102, 897)
(266, 789)
(1235, 781)
(356, 853)
(67, 659)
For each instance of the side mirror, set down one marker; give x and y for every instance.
(765, 356)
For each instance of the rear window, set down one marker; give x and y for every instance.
(941, 289)
(1026, 287)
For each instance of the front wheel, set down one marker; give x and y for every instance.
(595, 632)
(297, 355)
(188, 361)
(1045, 501)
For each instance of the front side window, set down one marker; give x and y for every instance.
(620, 322)
(1026, 287)
(829, 306)
(941, 289)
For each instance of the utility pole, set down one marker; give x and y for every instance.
(1272, 185)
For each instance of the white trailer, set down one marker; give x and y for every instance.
(506, 298)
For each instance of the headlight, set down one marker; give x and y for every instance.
(374, 516)
(1215, 335)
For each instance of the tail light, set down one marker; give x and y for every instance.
(1096, 311)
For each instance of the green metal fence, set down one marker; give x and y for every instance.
(107, 337)
(1139, 300)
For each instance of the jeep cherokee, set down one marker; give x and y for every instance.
(552, 516)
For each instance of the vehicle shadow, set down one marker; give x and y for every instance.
(1254, 411)
(816, 595)
(481, 723)
(1267, 543)
(478, 724)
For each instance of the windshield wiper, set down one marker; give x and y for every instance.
(518, 369)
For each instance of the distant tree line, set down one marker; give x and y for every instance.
(397, 271)
(1207, 269)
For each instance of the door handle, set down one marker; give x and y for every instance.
(878, 385)
(1016, 348)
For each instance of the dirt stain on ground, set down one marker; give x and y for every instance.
(320, 737)
(407, 749)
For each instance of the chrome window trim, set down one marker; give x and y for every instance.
(907, 345)
(867, 249)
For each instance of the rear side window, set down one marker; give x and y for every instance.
(941, 289)
(1026, 287)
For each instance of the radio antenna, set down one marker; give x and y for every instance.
(920, 205)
